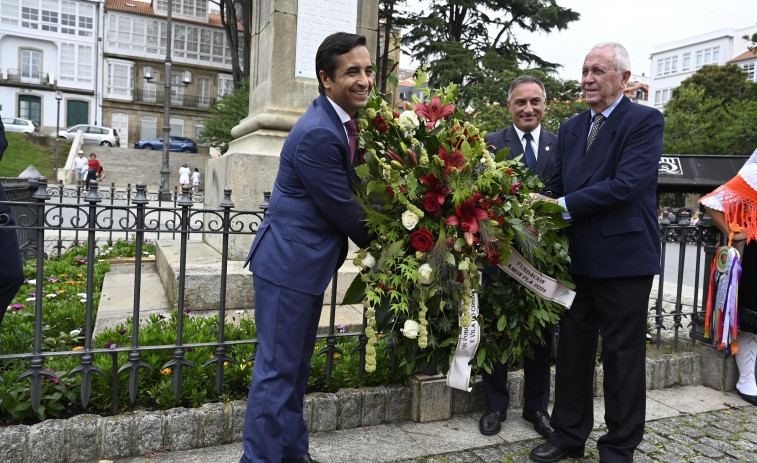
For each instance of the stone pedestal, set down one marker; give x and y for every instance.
(719, 370)
(280, 92)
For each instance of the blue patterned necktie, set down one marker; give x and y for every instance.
(530, 157)
(598, 119)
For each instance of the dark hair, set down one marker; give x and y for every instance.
(525, 79)
(329, 51)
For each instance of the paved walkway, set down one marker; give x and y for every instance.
(684, 424)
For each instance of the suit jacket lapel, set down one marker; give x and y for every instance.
(325, 105)
(542, 159)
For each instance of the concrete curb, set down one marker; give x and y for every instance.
(91, 437)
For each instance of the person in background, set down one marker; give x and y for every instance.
(733, 209)
(300, 244)
(196, 179)
(527, 100)
(80, 166)
(94, 168)
(183, 177)
(605, 177)
(11, 269)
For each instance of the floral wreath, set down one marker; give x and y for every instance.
(442, 208)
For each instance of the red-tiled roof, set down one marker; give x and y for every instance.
(146, 9)
(744, 56)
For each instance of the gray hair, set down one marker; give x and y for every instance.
(620, 58)
(526, 80)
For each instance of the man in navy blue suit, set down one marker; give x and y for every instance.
(527, 100)
(299, 246)
(11, 271)
(606, 179)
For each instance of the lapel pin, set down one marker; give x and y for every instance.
(546, 149)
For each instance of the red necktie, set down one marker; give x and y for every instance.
(351, 127)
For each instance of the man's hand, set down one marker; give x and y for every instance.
(541, 197)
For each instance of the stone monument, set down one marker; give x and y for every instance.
(286, 35)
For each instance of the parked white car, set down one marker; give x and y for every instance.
(93, 135)
(14, 124)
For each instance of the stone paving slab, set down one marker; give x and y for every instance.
(683, 424)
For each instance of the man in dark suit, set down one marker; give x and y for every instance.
(11, 270)
(606, 178)
(526, 100)
(299, 246)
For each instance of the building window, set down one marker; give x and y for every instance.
(67, 62)
(31, 64)
(148, 128)
(203, 93)
(68, 17)
(85, 64)
(120, 79)
(641, 94)
(30, 14)
(225, 84)
(177, 126)
(662, 96)
(50, 15)
(177, 89)
(686, 62)
(749, 71)
(30, 107)
(86, 20)
(198, 131)
(188, 8)
(9, 12)
(667, 65)
(707, 56)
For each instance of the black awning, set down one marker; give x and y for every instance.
(696, 173)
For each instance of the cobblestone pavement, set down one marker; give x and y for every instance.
(723, 436)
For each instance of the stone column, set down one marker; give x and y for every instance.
(283, 83)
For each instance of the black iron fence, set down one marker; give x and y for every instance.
(75, 215)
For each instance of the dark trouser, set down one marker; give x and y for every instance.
(11, 270)
(287, 322)
(536, 373)
(616, 307)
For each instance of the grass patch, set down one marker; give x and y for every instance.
(25, 150)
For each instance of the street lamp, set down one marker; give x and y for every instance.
(58, 96)
(186, 79)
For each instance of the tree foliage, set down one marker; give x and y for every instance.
(227, 112)
(386, 22)
(727, 83)
(234, 12)
(702, 120)
(462, 40)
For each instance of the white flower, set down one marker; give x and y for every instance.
(368, 262)
(30, 298)
(74, 332)
(425, 273)
(410, 330)
(51, 295)
(31, 282)
(409, 220)
(408, 120)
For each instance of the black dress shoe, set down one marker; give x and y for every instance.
(752, 399)
(549, 452)
(491, 422)
(540, 420)
(303, 459)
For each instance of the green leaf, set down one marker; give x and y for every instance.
(356, 292)
(362, 170)
(501, 323)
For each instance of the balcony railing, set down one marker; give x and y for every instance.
(19, 76)
(187, 101)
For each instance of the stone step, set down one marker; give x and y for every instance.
(203, 277)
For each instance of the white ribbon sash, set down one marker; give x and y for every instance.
(458, 375)
(546, 287)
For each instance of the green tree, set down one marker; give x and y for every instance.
(233, 14)
(462, 40)
(727, 83)
(227, 112)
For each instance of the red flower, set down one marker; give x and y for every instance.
(436, 188)
(383, 128)
(515, 187)
(431, 203)
(467, 216)
(395, 114)
(422, 240)
(433, 111)
(460, 137)
(377, 121)
(451, 161)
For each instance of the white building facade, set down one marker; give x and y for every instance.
(673, 62)
(48, 46)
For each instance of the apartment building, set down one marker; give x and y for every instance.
(48, 46)
(673, 62)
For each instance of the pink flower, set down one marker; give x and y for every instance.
(433, 111)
